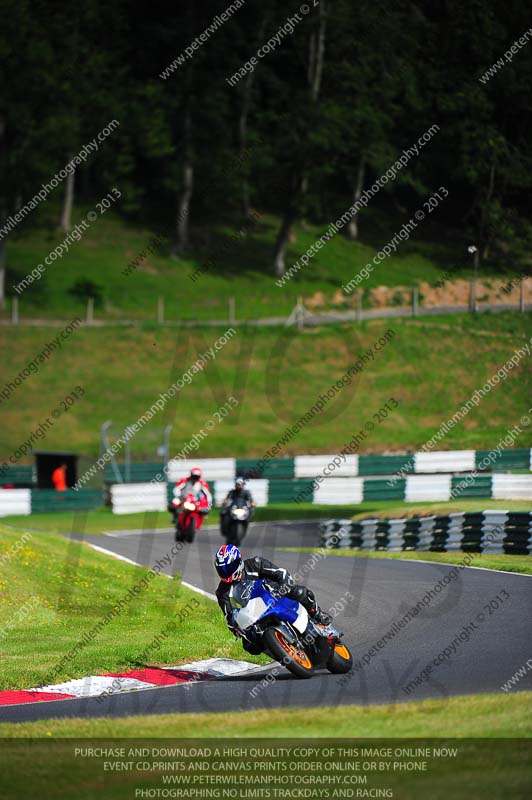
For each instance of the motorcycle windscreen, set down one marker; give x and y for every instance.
(251, 601)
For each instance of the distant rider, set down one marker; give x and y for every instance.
(192, 484)
(238, 492)
(231, 568)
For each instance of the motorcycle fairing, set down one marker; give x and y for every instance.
(251, 601)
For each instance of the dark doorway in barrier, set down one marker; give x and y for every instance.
(46, 462)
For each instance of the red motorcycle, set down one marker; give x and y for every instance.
(189, 518)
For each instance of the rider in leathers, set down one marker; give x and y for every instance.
(256, 568)
(192, 484)
(238, 491)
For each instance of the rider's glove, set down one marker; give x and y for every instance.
(286, 582)
(237, 633)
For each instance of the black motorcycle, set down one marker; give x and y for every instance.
(235, 520)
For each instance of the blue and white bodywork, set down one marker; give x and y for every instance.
(252, 601)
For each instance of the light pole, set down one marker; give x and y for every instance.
(473, 250)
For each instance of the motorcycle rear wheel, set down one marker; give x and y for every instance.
(290, 656)
(341, 659)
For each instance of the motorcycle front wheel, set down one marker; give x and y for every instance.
(191, 530)
(341, 659)
(290, 656)
(236, 533)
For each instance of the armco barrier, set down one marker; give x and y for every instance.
(386, 465)
(18, 476)
(137, 497)
(379, 489)
(311, 466)
(136, 472)
(507, 459)
(15, 501)
(514, 487)
(471, 532)
(445, 461)
(33, 501)
(258, 488)
(213, 468)
(286, 491)
(335, 491)
(43, 500)
(274, 468)
(477, 486)
(129, 498)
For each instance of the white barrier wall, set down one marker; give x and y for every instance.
(312, 466)
(445, 461)
(15, 501)
(129, 498)
(427, 487)
(511, 487)
(213, 468)
(334, 491)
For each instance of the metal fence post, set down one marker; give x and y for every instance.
(300, 313)
(90, 311)
(14, 311)
(160, 310)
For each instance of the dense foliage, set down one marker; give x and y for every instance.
(300, 132)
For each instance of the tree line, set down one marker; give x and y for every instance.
(224, 108)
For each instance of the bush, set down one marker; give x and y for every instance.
(35, 292)
(84, 288)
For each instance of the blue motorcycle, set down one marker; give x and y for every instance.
(284, 630)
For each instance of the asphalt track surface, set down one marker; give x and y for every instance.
(499, 643)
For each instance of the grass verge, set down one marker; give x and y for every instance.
(491, 716)
(519, 564)
(102, 519)
(72, 589)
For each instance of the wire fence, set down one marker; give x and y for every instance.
(300, 315)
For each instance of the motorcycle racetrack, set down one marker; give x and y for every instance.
(472, 632)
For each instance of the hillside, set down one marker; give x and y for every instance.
(429, 367)
(130, 268)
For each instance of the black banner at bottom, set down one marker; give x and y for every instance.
(266, 769)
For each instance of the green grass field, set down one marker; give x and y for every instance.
(482, 716)
(492, 762)
(505, 563)
(244, 272)
(73, 590)
(276, 375)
